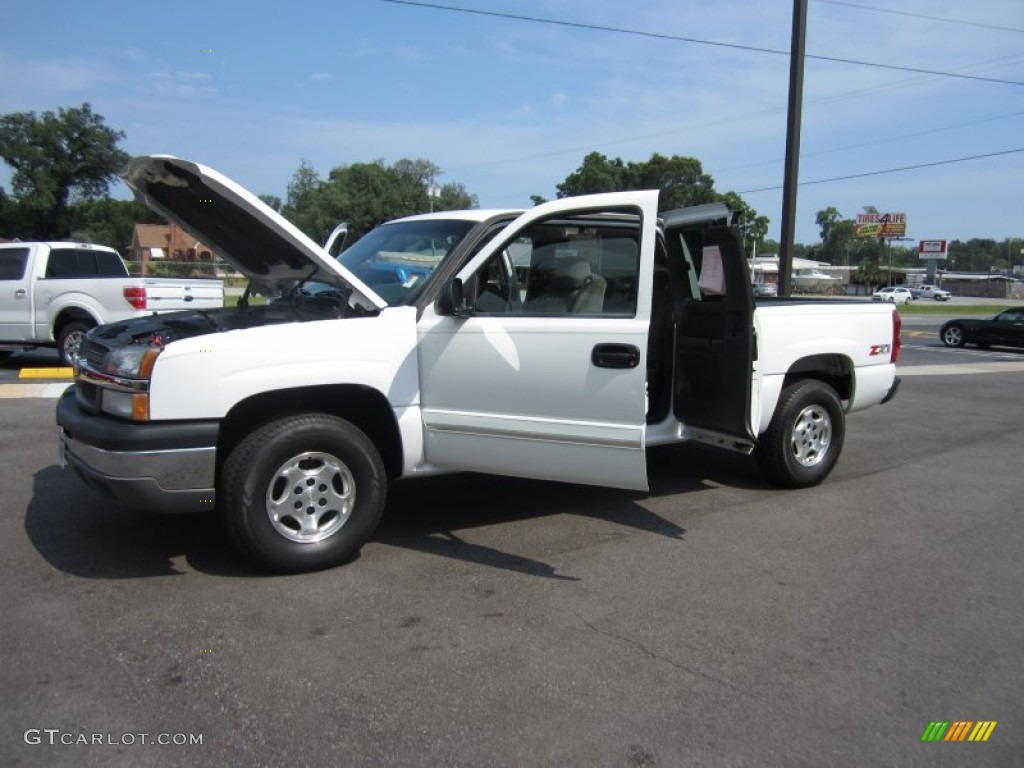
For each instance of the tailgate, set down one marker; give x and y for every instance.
(171, 294)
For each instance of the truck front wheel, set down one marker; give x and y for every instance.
(69, 341)
(805, 437)
(302, 493)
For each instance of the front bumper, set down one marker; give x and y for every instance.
(158, 467)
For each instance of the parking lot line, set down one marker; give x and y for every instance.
(47, 390)
(960, 369)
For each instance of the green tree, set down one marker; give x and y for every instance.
(367, 194)
(869, 273)
(838, 238)
(455, 197)
(11, 217)
(110, 222)
(681, 181)
(981, 254)
(303, 205)
(57, 159)
(596, 174)
(826, 219)
(272, 200)
(753, 227)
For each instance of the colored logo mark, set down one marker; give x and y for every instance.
(959, 730)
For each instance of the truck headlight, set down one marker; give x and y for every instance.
(126, 393)
(134, 361)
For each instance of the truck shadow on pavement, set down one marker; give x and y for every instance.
(81, 533)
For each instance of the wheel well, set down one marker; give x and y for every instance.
(365, 407)
(72, 315)
(834, 370)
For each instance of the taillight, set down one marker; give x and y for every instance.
(136, 297)
(897, 325)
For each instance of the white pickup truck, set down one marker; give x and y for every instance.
(556, 343)
(53, 293)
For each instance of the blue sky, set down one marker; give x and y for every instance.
(509, 108)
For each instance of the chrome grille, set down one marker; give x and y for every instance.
(94, 353)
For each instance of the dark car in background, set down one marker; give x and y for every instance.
(1005, 329)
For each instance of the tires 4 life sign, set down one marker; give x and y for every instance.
(881, 225)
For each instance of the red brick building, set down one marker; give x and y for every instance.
(168, 244)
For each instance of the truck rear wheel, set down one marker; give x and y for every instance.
(805, 437)
(302, 493)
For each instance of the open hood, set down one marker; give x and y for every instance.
(264, 246)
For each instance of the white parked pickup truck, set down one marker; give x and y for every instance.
(53, 293)
(556, 343)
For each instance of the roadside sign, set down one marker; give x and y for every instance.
(932, 249)
(881, 225)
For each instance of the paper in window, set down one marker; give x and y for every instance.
(712, 277)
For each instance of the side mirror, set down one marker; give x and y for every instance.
(453, 300)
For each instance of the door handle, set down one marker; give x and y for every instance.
(21, 293)
(615, 356)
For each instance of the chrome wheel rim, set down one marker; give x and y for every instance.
(310, 497)
(812, 435)
(953, 336)
(73, 344)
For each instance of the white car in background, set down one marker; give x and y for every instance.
(894, 294)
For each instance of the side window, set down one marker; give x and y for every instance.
(12, 263)
(62, 263)
(569, 266)
(689, 261)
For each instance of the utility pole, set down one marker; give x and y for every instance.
(789, 184)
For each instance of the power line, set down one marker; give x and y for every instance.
(923, 16)
(888, 170)
(694, 40)
(878, 141)
(732, 119)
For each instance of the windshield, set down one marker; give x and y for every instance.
(396, 260)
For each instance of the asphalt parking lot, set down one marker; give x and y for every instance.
(502, 622)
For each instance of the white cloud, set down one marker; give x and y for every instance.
(56, 77)
(182, 84)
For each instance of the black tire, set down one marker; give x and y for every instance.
(953, 335)
(805, 437)
(69, 340)
(302, 493)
